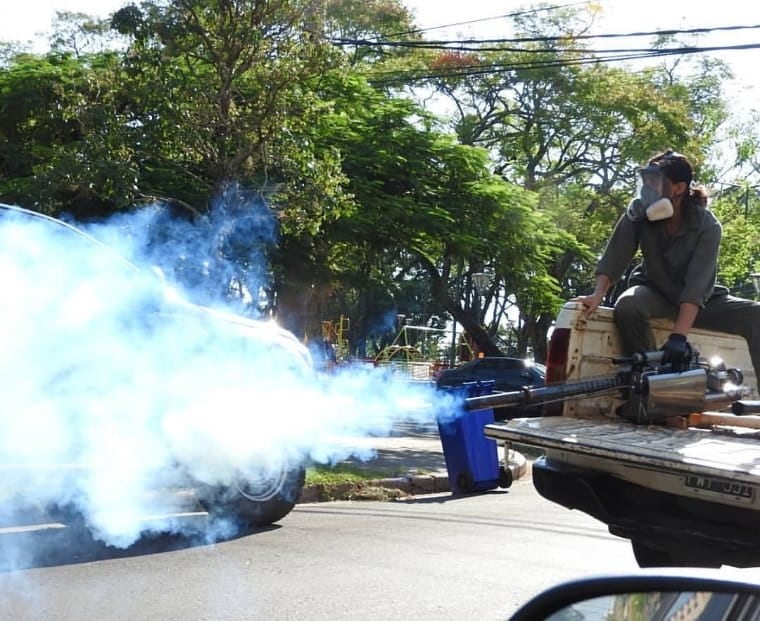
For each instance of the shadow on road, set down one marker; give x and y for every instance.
(447, 497)
(29, 539)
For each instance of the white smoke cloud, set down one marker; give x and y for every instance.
(114, 388)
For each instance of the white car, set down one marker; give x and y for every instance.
(115, 386)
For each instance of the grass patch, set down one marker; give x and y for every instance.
(339, 474)
(346, 481)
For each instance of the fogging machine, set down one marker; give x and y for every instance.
(651, 391)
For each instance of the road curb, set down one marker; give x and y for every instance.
(412, 484)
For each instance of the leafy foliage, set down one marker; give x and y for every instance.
(739, 254)
(67, 147)
(381, 206)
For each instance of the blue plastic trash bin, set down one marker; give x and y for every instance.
(472, 460)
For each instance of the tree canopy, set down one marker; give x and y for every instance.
(386, 172)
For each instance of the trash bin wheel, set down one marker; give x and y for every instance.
(505, 477)
(465, 482)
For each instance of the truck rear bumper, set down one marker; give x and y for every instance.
(690, 531)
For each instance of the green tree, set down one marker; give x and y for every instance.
(427, 210)
(573, 131)
(357, 25)
(740, 245)
(224, 93)
(66, 145)
(222, 90)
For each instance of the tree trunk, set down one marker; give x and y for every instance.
(483, 342)
(471, 324)
(534, 331)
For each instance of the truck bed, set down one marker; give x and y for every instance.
(705, 462)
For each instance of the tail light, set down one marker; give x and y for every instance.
(556, 366)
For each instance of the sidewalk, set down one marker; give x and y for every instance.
(411, 461)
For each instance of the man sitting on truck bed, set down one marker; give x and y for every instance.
(679, 238)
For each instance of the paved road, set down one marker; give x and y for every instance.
(432, 557)
(428, 557)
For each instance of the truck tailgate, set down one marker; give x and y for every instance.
(685, 451)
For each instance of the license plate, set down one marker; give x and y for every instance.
(724, 487)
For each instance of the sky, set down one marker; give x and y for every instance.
(33, 16)
(30, 17)
(622, 16)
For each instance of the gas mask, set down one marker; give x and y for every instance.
(650, 204)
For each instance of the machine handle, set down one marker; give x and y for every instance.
(640, 357)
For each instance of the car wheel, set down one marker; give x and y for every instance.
(465, 482)
(256, 502)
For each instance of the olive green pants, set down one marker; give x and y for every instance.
(725, 313)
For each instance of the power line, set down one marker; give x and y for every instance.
(592, 56)
(627, 50)
(446, 43)
(480, 69)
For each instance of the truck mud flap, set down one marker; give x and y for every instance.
(570, 487)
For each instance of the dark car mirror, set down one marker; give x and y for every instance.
(658, 596)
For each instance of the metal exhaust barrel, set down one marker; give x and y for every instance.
(746, 406)
(557, 392)
(542, 394)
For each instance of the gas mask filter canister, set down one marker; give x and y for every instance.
(661, 209)
(650, 203)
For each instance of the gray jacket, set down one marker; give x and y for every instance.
(683, 268)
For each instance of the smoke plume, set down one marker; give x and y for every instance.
(114, 386)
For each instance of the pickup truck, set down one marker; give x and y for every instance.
(683, 493)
